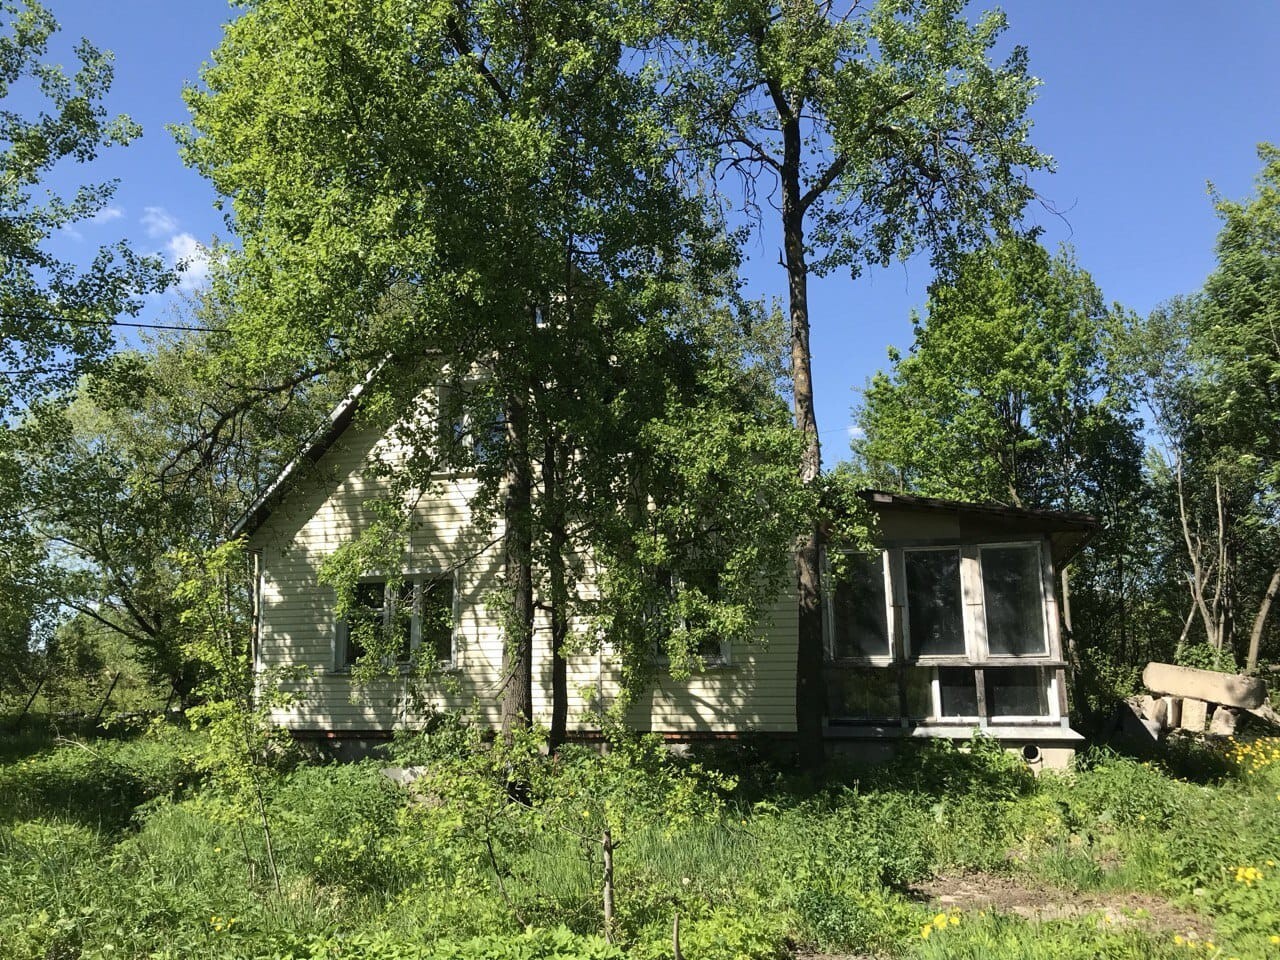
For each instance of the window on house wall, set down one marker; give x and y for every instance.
(935, 612)
(870, 679)
(417, 615)
(435, 618)
(859, 615)
(1013, 601)
(473, 430)
(710, 648)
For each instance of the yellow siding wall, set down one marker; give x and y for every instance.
(754, 691)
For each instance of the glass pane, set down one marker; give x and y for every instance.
(919, 692)
(1011, 591)
(959, 691)
(436, 624)
(365, 619)
(933, 602)
(860, 626)
(1016, 692)
(869, 693)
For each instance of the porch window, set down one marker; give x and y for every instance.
(927, 634)
(1014, 692)
(1013, 601)
(935, 615)
(859, 619)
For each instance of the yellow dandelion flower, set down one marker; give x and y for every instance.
(924, 933)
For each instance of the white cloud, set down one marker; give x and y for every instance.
(191, 257)
(106, 215)
(856, 432)
(159, 222)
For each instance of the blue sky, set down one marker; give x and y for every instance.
(1141, 104)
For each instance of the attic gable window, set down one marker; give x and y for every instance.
(418, 616)
(473, 431)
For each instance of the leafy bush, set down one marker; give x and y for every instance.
(557, 944)
(100, 785)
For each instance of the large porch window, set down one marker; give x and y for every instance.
(942, 634)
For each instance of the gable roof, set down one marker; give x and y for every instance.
(315, 447)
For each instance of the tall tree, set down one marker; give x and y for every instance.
(877, 133)
(479, 191)
(1209, 369)
(55, 317)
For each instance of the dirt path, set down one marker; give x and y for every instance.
(1024, 897)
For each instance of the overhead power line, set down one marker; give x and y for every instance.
(88, 322)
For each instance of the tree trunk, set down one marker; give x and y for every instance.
(557, 543)
(810, 692)
(606, 846)
(517, 648)
(1259, 621)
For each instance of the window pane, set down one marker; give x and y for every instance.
(919, 692)
(933, 602)
(1017, 692)
(959, 691)
(365, 619)
(1011, 592)
(869, 693)
(436, 623)
(860, 626)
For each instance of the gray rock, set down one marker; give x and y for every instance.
(1194, 714)
(1224, 721)
(1232, 689)
(404, 776)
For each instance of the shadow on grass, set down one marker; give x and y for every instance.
(76, 772)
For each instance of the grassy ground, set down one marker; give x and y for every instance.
(115, 848)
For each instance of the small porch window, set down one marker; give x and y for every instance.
(935, 611)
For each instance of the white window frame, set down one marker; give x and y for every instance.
(829, 630)
(966, 640)
(342, 632)
(976, 655)
(466, 421)
(719, 662)
(1038, 547)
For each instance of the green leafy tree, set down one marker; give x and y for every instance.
(877, 133)
(1010, 394)
(55, 316)
(160, 449)
(479, 192)
(1208, 368)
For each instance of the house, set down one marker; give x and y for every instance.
(953, 625)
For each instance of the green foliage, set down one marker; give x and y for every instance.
(996, 937)
(451, 866)
(555, 944)
(54, 318)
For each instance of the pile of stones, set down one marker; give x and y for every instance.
(1193, 701)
